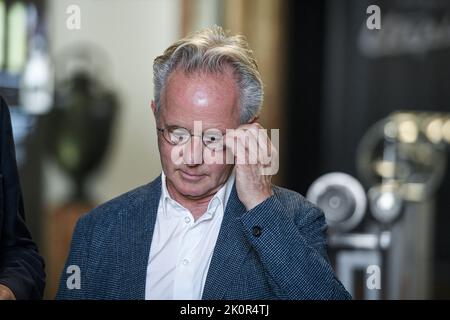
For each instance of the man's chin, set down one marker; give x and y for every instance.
(192, 191)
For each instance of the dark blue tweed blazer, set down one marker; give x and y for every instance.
(286, 260)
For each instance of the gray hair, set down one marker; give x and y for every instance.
(210, 50)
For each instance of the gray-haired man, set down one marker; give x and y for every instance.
(205, 229)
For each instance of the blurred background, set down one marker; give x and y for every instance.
(360, 95)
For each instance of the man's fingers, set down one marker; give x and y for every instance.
(250, 144)
(243, 144)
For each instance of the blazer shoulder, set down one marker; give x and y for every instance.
(296, 202)
(125, 204)
(306, 215)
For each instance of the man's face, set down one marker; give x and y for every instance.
(212, 99)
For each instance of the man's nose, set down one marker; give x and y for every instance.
(193, 151)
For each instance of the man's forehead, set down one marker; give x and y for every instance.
(206, 122)
(208, 95)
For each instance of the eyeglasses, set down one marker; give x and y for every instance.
(176, 136)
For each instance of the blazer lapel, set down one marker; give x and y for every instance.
(230, 251)
(133, 244)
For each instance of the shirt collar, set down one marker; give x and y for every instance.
(219, 199)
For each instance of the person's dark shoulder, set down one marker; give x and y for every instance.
(3, 105)
(4, 110)
(4, 116)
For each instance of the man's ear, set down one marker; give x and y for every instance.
(153, 104)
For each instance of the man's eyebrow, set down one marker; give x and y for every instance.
(175, 125)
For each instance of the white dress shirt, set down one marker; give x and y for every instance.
(182, 248)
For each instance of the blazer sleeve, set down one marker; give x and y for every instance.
(292, 248)
(21, 266)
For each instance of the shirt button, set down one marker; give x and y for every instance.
(256, 231)
(187, 219)
(185, 262)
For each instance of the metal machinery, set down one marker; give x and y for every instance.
(380, 225)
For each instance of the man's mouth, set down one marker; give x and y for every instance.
(191, 176)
